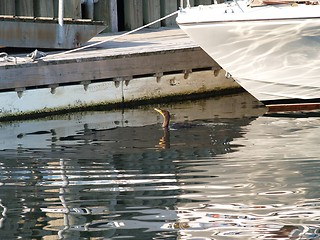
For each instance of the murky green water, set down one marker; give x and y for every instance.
(230, 172)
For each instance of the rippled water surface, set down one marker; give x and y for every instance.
(224, 170)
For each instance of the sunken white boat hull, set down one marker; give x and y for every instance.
(272, 51)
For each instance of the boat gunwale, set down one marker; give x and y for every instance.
(243, 20)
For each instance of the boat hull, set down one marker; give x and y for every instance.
(274, 59)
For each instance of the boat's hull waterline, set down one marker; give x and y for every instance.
(271, 51)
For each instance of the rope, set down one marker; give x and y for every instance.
(111, 38)
(35, 55)
(4, 57)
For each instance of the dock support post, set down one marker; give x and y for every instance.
(133, 14)
(203, 2)
(167, 7)
(151, 12)
(89, 9)
(24, 8)
(113, 9)
(60, 22)
(72, 9)
(7, 7)
(43, 8)
(107, 11)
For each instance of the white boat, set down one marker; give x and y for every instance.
(271, 48)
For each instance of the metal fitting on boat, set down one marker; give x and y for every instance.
(228, 75)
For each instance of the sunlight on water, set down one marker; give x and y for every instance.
(229, 172)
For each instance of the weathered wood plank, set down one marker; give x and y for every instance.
(133, 14)
(107, 11)
(106, 68)
(101, 11)
(24, 7)
(113, 13)
(55, 8)
(151, 12)
(7, 7)
(43, 8)
(72, 9)
(203, 2)
(87, 9)
(167, 7)
(192, 3)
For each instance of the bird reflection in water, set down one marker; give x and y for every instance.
(164, 141)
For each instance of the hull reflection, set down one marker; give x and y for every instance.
(234, 172)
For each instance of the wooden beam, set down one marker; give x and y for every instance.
(7, 7)
(66, 71)
(133, 14)
(107, 11)
(192, 3)
(167, 7)
(72, 9)
(101, 11)
(24, 8)
(151, 12)
(113, 13)
(203, 2)
(43, 8)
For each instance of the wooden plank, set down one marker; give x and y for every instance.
(42, 34)
(7, 7)
(68, 71)
(113, 13)
(167, 7)
(87, 9)
(43, 8)
(133, 14)
(151, 12)
(192, 3)
(24, 8)
(72, 9)
(203, 2)
(101, 11)
(107, 11)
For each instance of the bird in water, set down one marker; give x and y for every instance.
(175, 126)
(166, 117)
(164, 141)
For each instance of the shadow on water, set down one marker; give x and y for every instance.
(118, 175)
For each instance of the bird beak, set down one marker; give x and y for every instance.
(159, 111)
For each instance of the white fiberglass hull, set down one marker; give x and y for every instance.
(272, 51)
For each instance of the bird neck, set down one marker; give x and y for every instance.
(165, 123)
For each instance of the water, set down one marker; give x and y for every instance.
(230, 172)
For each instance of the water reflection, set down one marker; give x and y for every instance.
(118, 175)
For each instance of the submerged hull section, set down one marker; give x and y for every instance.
(274, 58)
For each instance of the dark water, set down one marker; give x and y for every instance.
(230, 172)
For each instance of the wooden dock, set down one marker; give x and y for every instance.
(118, 15)
(144, 66)
(54, 24)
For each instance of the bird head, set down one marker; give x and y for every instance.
(166, 117)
